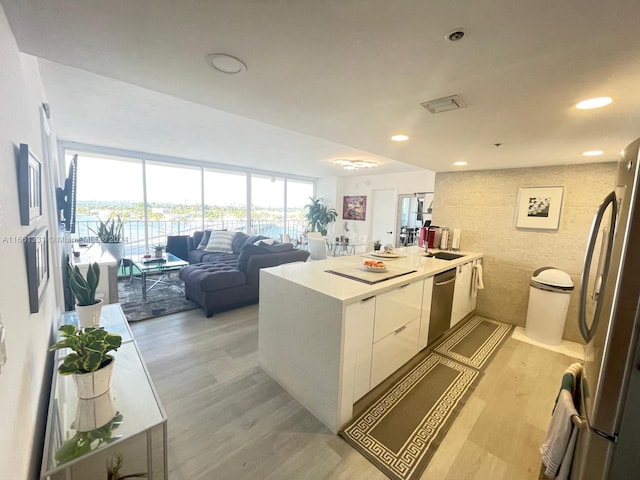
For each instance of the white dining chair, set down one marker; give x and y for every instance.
(317, 248)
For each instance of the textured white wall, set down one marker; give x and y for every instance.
(483, 205)
(27, 335)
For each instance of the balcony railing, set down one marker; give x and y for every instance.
(140, 238)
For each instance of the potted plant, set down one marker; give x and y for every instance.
(84, 289)
(159, 248)
(89, 362)
(377, 245)
(110, 235)
(113, 469)
(319, 215)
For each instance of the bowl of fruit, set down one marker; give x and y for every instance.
(374, 266)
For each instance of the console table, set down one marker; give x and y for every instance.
(82, 435)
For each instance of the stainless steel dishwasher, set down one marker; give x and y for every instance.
(441, 303)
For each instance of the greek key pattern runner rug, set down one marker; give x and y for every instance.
(401, 430)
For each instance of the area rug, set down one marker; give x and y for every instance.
(162, 299)
(400, 432)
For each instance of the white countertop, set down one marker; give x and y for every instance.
(312, 275)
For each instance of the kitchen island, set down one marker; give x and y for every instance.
(328, 339)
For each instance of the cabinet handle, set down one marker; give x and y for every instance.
(368, 298)
(406, 285)
(438, 284)
(400, 329)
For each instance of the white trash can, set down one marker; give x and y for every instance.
(549, 296)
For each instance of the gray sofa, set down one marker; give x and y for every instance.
(219, 281)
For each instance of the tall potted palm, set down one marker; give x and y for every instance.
(319, 215)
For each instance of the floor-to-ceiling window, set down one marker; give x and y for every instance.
(225, 200)
(158, 196)
(267, 205)
(109, 187)
(174, 200)
(299, 194)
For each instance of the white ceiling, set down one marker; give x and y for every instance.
(329, 79)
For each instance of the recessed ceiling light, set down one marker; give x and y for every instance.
(592, 153)
(400, 138)
(227, 64)
(594, 103)
(459, 164)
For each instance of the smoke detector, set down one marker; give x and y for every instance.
(444, 104)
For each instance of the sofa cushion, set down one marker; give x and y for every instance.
(220, 242)
(238, 241)
(209, 277)
(249, 250)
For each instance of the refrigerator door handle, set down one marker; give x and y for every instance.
(586, 331)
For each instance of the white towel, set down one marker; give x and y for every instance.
(477, 284)
(560, 431)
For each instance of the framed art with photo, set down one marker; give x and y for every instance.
(29, 185)
(354, 207)
(539, 208)
(36, 246)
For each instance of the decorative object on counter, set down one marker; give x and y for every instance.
(89, 362)
(539, 207)
(110, 235)
(374, 266)
(424, 402)
(354, 207)
(116, 464)
(455, 241)
(319, 215)
(36, 246)
(388, 248)
(377, 245)
(84, 289)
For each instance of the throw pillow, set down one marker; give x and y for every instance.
(220, 242)
(205, 239)
(245, 255)
(238, 241)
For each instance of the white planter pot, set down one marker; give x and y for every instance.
(115, 249)
(94, 384)
(95, 412)
(89, 315)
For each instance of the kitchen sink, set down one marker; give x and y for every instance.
(446, 255)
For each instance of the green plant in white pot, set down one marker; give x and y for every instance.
(319, 215)
(89, 362)
(84, 289)
(110, 235)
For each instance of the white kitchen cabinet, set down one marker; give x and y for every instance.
(425, 315)
(358, 342)
(464, 302)
(393, 351)
(396, 331)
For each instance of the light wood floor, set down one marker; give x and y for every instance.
(228, 420)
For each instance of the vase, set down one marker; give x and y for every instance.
(158, 253)
(89, 315)
(94, 384)
(115, 249)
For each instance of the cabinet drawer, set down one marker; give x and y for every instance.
(397, 308)
(393, 351)
(358, 339)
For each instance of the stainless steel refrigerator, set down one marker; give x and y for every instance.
(608, 445)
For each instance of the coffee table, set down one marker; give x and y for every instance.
(152, 265)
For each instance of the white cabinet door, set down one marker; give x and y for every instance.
(463, 300)
(425, 315)
(397, 308)
(358, 340)
(393, 351)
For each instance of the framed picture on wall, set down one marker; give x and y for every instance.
(354, 207)
(36, 246)
(539, 208)
(29, 185)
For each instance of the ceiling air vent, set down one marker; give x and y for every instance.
(444, 104)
